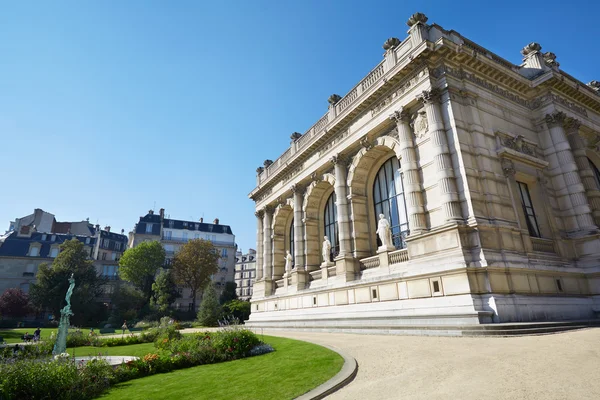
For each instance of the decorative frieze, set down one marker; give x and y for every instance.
(517, 143)
(420, 124)
(404, 87)
(293, 173)
(508, 167)
(264, 195)
(337, 139)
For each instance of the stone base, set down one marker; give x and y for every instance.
(385, 249)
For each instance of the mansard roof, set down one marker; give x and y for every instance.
(13, 245)
(197, 226)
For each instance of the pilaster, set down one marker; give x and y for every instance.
(267, 243)
(259, 244)
(441, 154)
(298, 193)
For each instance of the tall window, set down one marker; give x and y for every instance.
(596, 173)
(331, 228)
(532, 224)
(54, 252)
(148, 228)
(388, 195)
(291, 236)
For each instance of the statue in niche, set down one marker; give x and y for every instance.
(420, 124)
(288, 263)
(384, 231)
(326, 249)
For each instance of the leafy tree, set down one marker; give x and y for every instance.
(140, 264)
(194, 264)
(53, 282)
(126, 303)
(237, 308)
(209, 312)
(14, 303)
(228, 293)
(164, 292)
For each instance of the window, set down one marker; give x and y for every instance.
(596, 173)
(388, 195)
(532, 224)
(117, 246)
(331, 228)
(34, 251)
(53, 238)
(184, 235)
(104, 256)
(106, 243)
(110, 271)
(54, 252)
(44, 235)
(87, 240)
(197, 226)
(214, 238)
(171, 224)
(224, 253)
(185, 224)
(113, 256)
(148, 228)
(196, 236)
(168, 235)
(291, 244)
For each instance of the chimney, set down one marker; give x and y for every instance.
(201, 220)
(151, 212)
(107, 228)
(162, 213)
(122, 231)
(97, 227)
(216, 221)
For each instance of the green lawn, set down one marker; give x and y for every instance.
(14, 335)
(137, 350)
(293, 369)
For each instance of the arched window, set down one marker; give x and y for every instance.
(388, 195)
(596, 173)
(331, 228)
(291, 236)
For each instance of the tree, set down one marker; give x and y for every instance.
(140, 264)
(126, 303)
(209, 312)
(14, 303)
(53, 281)
(238, 309)
(164, 292)
(228, 293)
(194, 264)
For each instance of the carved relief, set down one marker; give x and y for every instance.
(420, 124)
(572, 125)
(517, 143)
(366, 143)
(557, 118)
(507, 167)
(259, 214)
(550, 59)
(404, 87)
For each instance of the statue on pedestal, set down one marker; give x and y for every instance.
(63, 327)
(385, 233)
(326, 252)
(288, 263)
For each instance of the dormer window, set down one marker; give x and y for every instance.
(44, 236)
(87, 240)
(34, 251)
(53, 238)
(197, 226)
(148, 228)
(171, 224)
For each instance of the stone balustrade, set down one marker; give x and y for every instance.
(398, 256)
(369, 262)
(543, 245)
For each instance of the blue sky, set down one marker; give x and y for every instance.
(110, 107)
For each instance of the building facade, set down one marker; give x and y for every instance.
(172, 234)
(245, 273)
(486, 171)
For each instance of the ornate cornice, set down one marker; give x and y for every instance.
(297, 188)
(259, 214)
(429, 96)
(400, 115)
(555, 119)
(572, 125)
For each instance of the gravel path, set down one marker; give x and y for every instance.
(558, 366)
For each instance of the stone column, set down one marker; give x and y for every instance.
(298, 192)
(345, 263)
(410, 171)
(259, 243)
(569, 189)
(583, 166)
(267, 243)
(441, 155)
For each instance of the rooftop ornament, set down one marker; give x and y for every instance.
(334, 98)
(594, 85)
(391, 43)
(295, 136)
(550, 59)
(531, 48)
(266, 163)
(259, 170)
(417, 18)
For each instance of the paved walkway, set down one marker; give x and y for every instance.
(558, 366)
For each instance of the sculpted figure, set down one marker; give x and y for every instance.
(288, 262)
(326, 249)
(385, 232)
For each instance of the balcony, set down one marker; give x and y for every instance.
(29, 274)
(173, 239)
(543, 245)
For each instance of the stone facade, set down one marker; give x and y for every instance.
(245, 273)
(487, 171)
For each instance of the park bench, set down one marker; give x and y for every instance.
(136, 329)
(27, 338)
(107, 330)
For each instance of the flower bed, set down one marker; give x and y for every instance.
(61, 377)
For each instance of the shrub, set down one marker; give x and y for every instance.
(237, 309)
(208, 315)
(235, 343)
(79, 338)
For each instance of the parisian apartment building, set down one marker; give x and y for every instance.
(36, 239)
(245, 273)
(484, 173)
(173, 233)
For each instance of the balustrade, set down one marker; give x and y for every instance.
(398, 256)
(369, 262)
(543, 245)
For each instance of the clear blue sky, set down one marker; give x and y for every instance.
(107, 107)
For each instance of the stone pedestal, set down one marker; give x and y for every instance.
(299, 279)
(263, 288)
(324, 271)
(382, 252)
(345, 268)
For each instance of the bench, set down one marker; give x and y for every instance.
(107, 330)
(27, 338)
(136, 329)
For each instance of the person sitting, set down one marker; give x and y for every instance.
(26, 337)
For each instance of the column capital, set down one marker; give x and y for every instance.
(555, 119)
(401, 115)
(259, 214)
(366, 143)
(572, 125)
(297, 188)
(269, 209)
(338, 159)
(429, 96)
(508, 167)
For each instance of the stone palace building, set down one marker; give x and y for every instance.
(487, 172)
